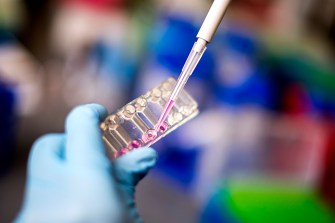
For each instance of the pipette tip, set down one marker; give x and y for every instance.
(166, 111)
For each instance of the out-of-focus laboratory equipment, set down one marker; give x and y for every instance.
(20, 93)
(7, 120)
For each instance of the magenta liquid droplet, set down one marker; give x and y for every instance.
(120, 153)
(149, 135)
(163, 127)
(136, 144)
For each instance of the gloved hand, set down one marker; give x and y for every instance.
(70, 178)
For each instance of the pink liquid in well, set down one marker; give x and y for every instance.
(150, 135)
(165, 114)
(120, 153)
(135, 144)
(163, 127)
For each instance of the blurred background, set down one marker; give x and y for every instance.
(262, 148)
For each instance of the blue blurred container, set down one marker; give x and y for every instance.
(239, 79)
(7, 114)
(7, 126)
(114, 63)
(172, 40)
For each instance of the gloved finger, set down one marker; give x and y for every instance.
(84, 145)
(46, 155)
(133, 166)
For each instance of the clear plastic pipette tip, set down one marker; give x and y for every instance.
(192, 61)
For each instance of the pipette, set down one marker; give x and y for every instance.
(205, 35)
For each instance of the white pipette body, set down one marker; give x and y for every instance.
(213, 20)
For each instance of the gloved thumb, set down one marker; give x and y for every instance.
(133, 166)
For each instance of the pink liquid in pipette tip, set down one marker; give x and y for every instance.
(165, 113)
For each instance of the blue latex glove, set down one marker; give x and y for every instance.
(70, 178)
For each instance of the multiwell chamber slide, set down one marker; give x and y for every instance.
(133, 125)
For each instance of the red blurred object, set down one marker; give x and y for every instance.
(259, 8)
(96, 4)
(296, 147)
(328, 177)
(296, 101)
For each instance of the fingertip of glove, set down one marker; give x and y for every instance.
(133, 166)
(46, 148)
(143, 158)
(47, 140)
(87, 111)
(100, 110)
(146, 153)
